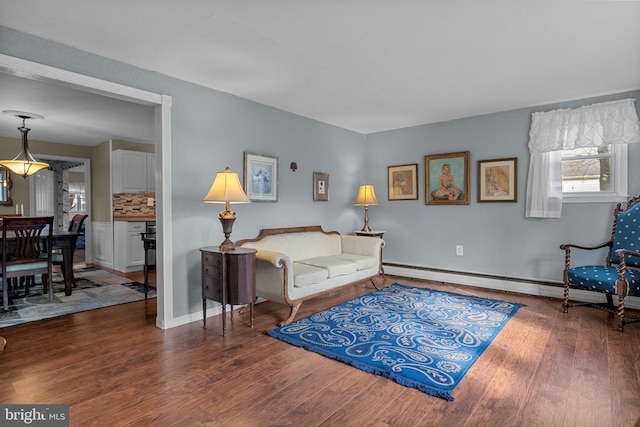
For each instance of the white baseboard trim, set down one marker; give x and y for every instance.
(503, 284)
(213, 309)
(197, 316)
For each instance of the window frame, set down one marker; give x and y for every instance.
(620, 160)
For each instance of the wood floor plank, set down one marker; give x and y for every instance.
(589, 396)
(114, 367)
(505, 393)
(546, 397)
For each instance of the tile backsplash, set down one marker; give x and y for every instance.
(134, 204)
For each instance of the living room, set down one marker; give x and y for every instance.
(210, 130)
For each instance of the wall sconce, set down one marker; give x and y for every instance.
(366, 197)
(24, 164)
(226, 189)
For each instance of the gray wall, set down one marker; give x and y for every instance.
(497, 238)
(211, 130)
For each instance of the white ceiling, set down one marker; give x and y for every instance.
(364, 65)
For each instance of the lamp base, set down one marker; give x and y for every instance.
(227, 218)
(366, 220)
(227, 245)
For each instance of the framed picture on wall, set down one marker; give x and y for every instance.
(446, 179)
(498, 180)
(403, 182)
(261, 177)
(320, 187)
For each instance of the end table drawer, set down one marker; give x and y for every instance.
(214, 271)
(211, 260)
(213, 289)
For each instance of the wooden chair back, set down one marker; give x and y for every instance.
(24, 249)
(76, 222)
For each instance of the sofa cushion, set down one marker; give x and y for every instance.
(362, 262)
(300, 245)
(334, 265)
(305, 275)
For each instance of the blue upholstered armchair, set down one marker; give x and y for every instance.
(619, 275)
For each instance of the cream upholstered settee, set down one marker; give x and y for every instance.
(295, 264)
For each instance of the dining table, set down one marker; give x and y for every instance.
(65, 241)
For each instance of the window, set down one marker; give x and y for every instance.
(595, 174)
(77, 198)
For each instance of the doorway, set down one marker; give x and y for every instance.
(62, 191)
(162, 123)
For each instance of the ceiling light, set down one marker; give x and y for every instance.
(24, 164)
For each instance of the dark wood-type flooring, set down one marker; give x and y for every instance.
(115, 368)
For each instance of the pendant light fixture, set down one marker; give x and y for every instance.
(24, 164)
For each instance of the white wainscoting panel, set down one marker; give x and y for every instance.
(102, 244)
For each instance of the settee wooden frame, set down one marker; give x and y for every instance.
(294, 304)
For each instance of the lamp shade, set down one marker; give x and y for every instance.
(226, 188)
(366, 196)
(24, 164)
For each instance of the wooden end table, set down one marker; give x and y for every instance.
(228, 277)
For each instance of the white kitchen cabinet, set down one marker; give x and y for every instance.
(133, 171)
(127, 240)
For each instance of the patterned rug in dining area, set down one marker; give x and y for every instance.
(96, 288)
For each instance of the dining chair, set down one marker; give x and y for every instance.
(56, 255)
(23, 243)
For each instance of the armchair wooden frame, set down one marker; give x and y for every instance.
(622, 256)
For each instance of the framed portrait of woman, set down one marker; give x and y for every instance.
(446, 179)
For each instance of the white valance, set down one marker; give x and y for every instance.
(614, 122)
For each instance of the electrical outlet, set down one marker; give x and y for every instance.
(459, 250)
(150, 201)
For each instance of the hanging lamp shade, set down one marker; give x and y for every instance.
(24, 164)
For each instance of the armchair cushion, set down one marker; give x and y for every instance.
(626, 236)
(603, 279)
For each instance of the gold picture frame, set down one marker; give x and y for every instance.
(320, 187)
(402, 181)
(498, 180)
(446, 179)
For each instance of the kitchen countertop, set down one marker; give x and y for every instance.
(134, 217)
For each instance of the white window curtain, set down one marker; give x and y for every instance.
(614, 122)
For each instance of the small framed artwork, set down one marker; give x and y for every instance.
(261, 177)
(403, 182)
(320, 187)
(446, 179)
(498, 180)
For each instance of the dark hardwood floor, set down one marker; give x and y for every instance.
(115, 368)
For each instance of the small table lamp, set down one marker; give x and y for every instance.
(226, 189)
(366, 197)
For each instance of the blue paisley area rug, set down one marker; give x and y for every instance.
(418, 337)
